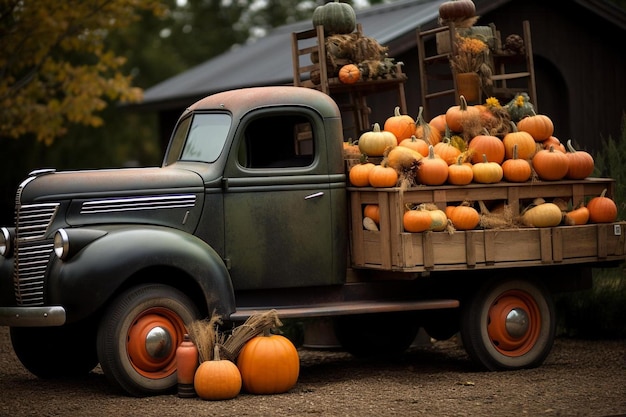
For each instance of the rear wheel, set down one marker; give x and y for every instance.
(509, 325)
(377, 334)
(138, 337)
(56, 352)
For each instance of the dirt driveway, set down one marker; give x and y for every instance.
(579, 378)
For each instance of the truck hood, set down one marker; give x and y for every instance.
(58, 186)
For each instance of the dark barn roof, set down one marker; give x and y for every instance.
(579, 71)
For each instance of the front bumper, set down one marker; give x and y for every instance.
(32, 316)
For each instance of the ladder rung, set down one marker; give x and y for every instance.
(512, 76)
(440, 93)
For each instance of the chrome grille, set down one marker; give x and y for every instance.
(32, 251)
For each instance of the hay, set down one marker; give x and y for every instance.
(204, 335)
(502, 218)
(255, 325)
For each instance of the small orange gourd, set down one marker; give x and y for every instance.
(401, 125)
(349, 74)
(579, 215)
(269, 364)
(602, 209)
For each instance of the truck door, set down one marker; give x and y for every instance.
(283, 211)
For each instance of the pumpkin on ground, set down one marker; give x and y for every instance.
(269, 364)
(336, 17)
(602, 209)
(349, 74)
(401, 125)
(217, 379)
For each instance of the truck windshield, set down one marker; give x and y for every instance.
(206, 137)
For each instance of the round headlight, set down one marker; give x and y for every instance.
(61, 244)
(5, 242)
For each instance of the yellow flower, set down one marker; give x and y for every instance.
(492, 102)
(471, 53)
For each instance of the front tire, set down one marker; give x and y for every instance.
(138, 337)
(509, 325)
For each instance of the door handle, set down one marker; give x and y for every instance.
(314, 195)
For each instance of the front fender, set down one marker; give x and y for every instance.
(85, 282)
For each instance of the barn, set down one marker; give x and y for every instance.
(578, 60)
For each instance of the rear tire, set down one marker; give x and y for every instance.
(509, 325)
(138, 337)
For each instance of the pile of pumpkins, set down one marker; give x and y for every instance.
(448, 150)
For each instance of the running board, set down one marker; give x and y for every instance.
(345, 308)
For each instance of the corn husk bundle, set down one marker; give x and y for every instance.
(205, 334)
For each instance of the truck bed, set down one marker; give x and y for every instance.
(391, 248)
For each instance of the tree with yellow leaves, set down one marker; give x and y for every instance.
(55, 68)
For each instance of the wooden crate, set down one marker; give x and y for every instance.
(391, 248)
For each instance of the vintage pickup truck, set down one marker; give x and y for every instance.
(251, 210)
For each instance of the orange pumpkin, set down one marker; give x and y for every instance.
(401, 125)
(403, 159)
(359, 174)
(581, 163)
(438, 123)
(433, 170)
(579, 215)
(464, 217)
(550, 165)
(418, 145)
(349, 74)
(526, 145)
(447, 151)
(457, 116)
(217, 379)
(460, 173)
(416, 221)
(373, 212)
(602, 209)
(383, 176)
(430, 133)
(539, 126)
(553, 140)
(488, 145)
(269, 364)
(516, 169)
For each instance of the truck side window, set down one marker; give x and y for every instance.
(278, 142)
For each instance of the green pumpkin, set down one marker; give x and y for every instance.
(520, 107)
(336, 17)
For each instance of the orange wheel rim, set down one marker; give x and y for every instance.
(514, 323)
(152, 341)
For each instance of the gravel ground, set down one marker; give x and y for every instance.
(579, 378)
